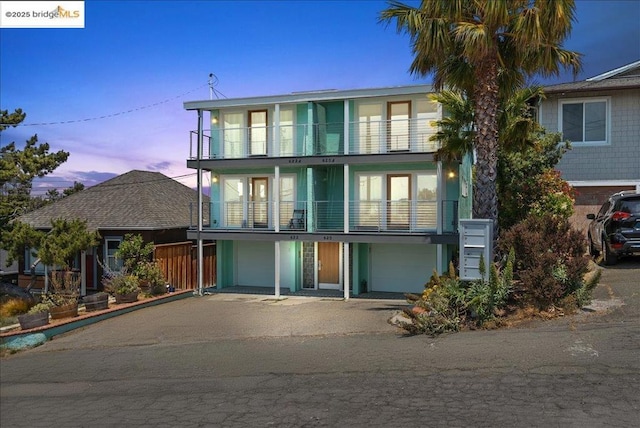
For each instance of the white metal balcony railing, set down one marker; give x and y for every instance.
(328, 216)
(371, 137)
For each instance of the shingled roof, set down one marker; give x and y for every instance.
(136, 200)
(625, 77)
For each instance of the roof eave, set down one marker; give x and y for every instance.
(301, 97)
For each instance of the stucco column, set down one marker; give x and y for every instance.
(83, 273)
(276, 199)
(345, 282)
(277, 269)
(200, 201)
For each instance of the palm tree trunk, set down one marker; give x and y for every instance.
(485, 94)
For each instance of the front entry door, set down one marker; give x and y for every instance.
(329, 265)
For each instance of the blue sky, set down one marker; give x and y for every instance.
(112, 93)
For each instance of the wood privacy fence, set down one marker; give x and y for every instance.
(179, 263)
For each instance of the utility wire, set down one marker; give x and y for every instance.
(106, 116)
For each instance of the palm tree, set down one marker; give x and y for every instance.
(486, 49)
(517, 126)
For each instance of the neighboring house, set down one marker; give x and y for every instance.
(332, 189)
(601, 118)
(7, 273)
(138, 202)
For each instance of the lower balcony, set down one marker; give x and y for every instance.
(374, 217)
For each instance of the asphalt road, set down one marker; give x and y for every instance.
(229, 360)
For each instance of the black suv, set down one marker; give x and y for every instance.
(615, 230)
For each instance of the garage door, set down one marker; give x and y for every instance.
(402, 268)
(255, 263)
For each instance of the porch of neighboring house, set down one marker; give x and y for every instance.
(178, 262)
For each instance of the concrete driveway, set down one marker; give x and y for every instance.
(242, 316)
(235, 360)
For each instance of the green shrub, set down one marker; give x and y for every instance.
(121, 282)
(39, 307)
(551, 263)
(448, 304)
(134, 253)
(484, 298)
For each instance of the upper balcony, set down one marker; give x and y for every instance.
(303, 140)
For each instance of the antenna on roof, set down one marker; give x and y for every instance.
(210, 86)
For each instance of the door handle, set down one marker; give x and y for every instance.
(319, 265)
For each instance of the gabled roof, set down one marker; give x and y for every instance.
(625, 77)
(136, 200)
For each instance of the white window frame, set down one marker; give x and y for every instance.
(108, 239)
(583, 101)
(293, 129)
(245, 180)
(414, 194)
(29, 259)
(417, 128)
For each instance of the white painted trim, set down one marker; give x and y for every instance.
(347, 136)
(83, 273)
(346, 197)
(275, 197)
(439, 195)
(276, 131)
(345, 262)
(583, 100)
(277, 269)
(315, 265)
(311, 96)
(614, 72)
(245, 179)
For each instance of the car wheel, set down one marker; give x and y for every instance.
(607, 256)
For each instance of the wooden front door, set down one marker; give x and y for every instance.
(398, 115)
(259, 210)
(329, 265)
(398, 201)
(258, 133)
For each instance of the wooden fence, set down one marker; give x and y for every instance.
(179, 263)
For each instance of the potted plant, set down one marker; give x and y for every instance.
(124, 286)
(96, 302)
(58, 248)
(63, 299)
(37, 316)
(151, 274)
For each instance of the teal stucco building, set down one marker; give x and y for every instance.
(328, 190)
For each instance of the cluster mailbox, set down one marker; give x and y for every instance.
(476, 241)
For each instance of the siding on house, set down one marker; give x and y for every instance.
(618, 160)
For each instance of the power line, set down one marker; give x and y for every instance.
(106, 116)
